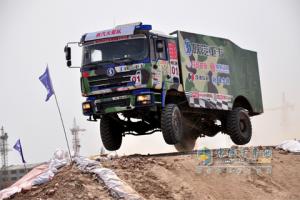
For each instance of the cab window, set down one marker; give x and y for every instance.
(152, 49)
(161, 52)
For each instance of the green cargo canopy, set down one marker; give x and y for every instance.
(215, 72)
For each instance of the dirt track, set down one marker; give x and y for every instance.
(175, 177)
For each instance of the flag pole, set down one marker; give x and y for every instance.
(25, 167)
(63, 125)
(46, 81)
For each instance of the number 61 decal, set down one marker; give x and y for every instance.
(137, 78)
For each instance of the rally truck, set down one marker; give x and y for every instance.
(185, 85)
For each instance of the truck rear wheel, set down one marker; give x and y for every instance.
(171, 124)
(111, 133)
(239, 126)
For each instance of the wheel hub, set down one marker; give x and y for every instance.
(176, 121)
(242, 126)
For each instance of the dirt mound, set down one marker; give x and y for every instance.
(68, 184)
(176, 177)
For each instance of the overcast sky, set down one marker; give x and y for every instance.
(33, 33)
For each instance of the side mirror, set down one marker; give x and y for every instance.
(67, 51)
(69, 63)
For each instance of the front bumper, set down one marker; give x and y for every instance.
(120, 103)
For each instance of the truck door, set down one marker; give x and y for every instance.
(161, 57)
(167, 62)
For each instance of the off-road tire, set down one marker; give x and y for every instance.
(186, 145)
(171, 124)
(111, 133)
(239, 126)
(188, 141)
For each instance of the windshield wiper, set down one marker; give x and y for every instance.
(115, 61)
(97, 62)
(125, 60)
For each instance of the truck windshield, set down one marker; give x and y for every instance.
(121, 51)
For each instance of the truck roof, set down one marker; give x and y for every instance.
(120, 30)
(162, 34)
(215, 37)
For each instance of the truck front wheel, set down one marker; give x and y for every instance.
(187, 144)
(171, 124)
(111, 133)
(239, 126)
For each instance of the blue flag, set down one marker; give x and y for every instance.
(46, 80)
(18, 147)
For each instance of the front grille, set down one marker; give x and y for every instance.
(113, 94)
(118, 80)
(116, 103)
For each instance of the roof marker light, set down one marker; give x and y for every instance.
(144, 27)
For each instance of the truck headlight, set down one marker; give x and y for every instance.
(86, 106)
(144, 98)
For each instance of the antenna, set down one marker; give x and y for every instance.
(76, 141)
(3, 148)
(114, 21)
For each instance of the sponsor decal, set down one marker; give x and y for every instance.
(209, 100)
(215, 79)
(115, 32)
(214, 67)
(199, 65)
(188, 47)
(125, 68)
(156, 76)
(197, 77)
(108, 33)
(220, 68)
(172, 50)
(137, 66)
(163, 65)
(206, 95)
(202, 49)
(122, 68)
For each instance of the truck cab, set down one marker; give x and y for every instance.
(138, 81)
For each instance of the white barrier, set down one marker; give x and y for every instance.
(118, 188)
(290, 145)
(38, 175)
